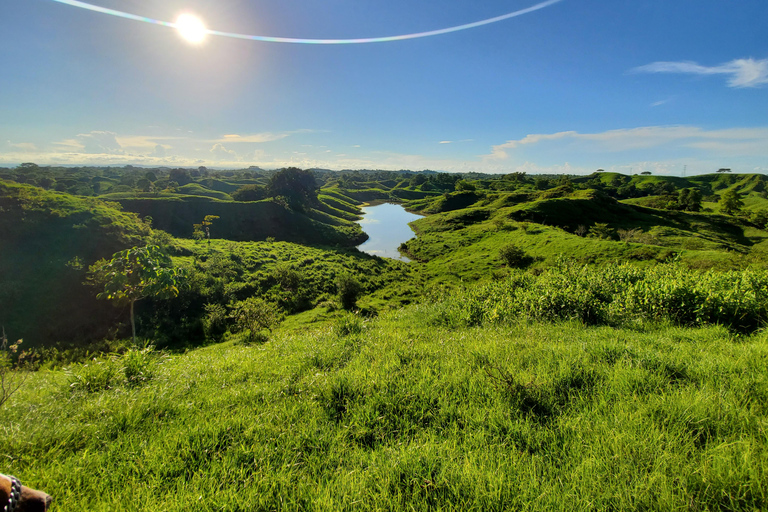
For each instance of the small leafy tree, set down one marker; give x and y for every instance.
(730, 202)
(689, 199)
(206, 225)
(462, 185)
(513, 256)
(255, 314)
(601, 230)
(135, 274)
(349, 290)
(297, 186)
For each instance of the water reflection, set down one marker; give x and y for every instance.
(387, 227)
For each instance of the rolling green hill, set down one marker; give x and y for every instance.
(48, 241)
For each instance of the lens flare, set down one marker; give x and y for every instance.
(296, 40)
(191, 28)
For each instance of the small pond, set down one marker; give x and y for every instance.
(387, 227)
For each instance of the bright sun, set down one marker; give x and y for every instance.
(191, 28)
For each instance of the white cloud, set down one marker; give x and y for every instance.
(740, 72)
(24, 146)
(219, 152)
(258, 138)
(99, 142)
(755, 140)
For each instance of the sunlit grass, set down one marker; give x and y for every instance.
(394, 414)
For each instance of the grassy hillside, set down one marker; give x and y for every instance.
(247, 220)
(401, 414)
(48, 241)
(558, 343)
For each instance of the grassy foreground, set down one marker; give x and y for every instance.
(397, 414)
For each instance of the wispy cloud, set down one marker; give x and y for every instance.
(733, 140)
(258, 138)
(740, 72)
(455, 141)
(24, 146)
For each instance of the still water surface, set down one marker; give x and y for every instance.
(387, 227)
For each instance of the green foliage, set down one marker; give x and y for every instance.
(96, 375)
(137, 273)
(348, 324)
(513, 256)
(617, 295)
(730, 202)
(297, 186)
(406, 416)
(465, 185)
(348, 289)
(254, 315)
(601, 230)
(250, 193)
(11, 376)
(133, 368)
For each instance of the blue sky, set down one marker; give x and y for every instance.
(645, 85)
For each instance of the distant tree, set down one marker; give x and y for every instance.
(759, 218)
(601, 230)
(206, 225)
(565, 182)
(689, 199)
(297, 186)
(664, 188)
(646, 173)
(730, 202)
(135, 274)
(144, 185)
(724, 169)
(180, 176)
(417, 180)
(250, 193)
(149, 175)
(464, 185)
(600, 170)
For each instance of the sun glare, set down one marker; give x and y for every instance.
(191, 28)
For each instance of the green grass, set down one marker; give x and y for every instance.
(394, 414)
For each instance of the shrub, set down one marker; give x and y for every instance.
(348, 324)
(513, 256)
(349, 289)
(139, 365)
(97, 375)
(255, 315)
(215, 321)
(11, 378)
(602, 231)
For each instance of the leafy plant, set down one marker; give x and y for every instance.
(349, 289)
(96, 375)
(255, 314)
(11, 378)
(137, 273)
(730, 202)
(513, 256)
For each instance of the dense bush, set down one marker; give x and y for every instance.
(349, 290)
(616, 294)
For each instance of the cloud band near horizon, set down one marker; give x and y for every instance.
(741, 72)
